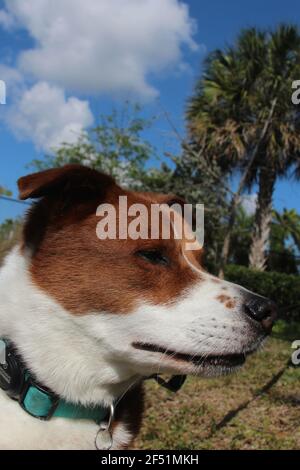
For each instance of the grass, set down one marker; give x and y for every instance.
(268, 418)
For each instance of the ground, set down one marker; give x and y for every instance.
(205, 414)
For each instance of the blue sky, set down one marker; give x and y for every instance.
(34, 64)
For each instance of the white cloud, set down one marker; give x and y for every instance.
(91, 46)
(6, 20)
(101, 46)
(249, 204)
(44, 115)
(14, 84)
(10, 74)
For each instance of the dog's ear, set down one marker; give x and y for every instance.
(67, 178)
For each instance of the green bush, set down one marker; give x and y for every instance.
(284, 289)
(10, 234)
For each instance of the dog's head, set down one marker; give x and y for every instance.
(147, 302)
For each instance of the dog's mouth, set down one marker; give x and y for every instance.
(220, 360)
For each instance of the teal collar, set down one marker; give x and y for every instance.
(43, 404)
(34, 398)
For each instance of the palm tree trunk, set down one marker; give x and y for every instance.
(263, 218)
(236, 198)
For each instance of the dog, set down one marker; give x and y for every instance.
(84, 321)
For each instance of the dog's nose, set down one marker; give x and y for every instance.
(261, 310)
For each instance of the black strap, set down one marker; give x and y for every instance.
(174, 384)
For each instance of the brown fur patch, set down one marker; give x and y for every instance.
(86, 274)
(223, 298)
(228, 301)
(129, 412)
(230, 304)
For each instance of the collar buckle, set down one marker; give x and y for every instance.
(38, 401)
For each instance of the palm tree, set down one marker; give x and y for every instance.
(285, 241)
(241, 115)
(289, 222)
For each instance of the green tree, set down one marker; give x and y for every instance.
(4, 192)
(10, 231)
(285, 241)
(116, 146)
(241, 238)
(199, 183)
(242, 115)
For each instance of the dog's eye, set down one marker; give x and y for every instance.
(153, 256)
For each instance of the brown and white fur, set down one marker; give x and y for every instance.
(91, 318)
